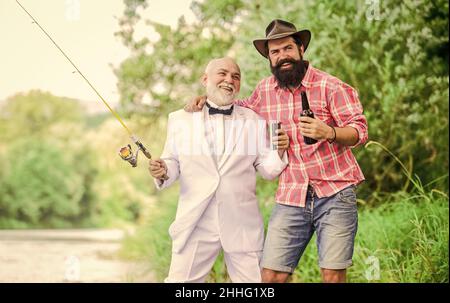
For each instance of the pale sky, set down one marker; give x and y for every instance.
(29, 60)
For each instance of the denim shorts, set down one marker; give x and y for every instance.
(334, 219)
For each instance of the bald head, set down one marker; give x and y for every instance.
(219, 62)
(222, 79)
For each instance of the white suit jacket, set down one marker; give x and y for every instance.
(232, 181)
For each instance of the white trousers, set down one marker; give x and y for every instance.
(194, 262)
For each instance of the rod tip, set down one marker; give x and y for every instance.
(134, 138)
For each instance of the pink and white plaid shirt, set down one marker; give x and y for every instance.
(328, 168)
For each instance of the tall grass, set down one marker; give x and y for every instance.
(408, 235)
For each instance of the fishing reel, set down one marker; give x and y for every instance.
(126, 153)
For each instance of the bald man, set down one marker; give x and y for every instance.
(215, 153)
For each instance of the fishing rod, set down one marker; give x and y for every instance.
(126, 152)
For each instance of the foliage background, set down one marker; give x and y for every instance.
(58, 169)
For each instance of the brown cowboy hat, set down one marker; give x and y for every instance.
(280, 29)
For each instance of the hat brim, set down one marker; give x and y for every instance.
(260, 44)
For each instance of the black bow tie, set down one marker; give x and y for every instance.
(213, 110)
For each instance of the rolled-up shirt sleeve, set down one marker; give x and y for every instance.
(347, 110)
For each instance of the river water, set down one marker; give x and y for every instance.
(66, 256)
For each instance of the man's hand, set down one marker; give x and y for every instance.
(315, 128)
(157, 168)
(196, 104)
(282, 141)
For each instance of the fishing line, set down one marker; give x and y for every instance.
(125, 152)
(73, 64)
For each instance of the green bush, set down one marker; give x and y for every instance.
(60, 166)
(41, 188)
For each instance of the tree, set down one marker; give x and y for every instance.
(32, 113)
(40, 187)
(395, 54)
(42, 182)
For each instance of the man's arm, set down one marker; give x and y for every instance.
(316, 129)
(270, 163)
(252, 102)
(347, 112)
(168, 163)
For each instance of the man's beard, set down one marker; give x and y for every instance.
(217, 96)
(289, 77)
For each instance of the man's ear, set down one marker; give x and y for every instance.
(204, 80)
(301, 49)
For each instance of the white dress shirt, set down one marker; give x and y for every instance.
(217, 132)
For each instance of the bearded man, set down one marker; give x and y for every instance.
(316, 192)
(215, 154)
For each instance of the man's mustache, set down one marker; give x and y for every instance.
(289, 77)
(287, 60)
(229, 86)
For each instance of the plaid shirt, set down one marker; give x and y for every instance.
(328, 168)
